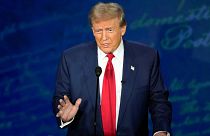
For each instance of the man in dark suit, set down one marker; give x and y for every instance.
(130, 84)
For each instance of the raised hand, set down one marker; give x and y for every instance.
(66, 109)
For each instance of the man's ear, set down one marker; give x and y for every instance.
(123, 30)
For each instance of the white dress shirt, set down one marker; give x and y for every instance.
(117, 62)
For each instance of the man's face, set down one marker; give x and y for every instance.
(108, 34)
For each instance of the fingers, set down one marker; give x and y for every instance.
(66, 109)
(59, 107)
(62, 103)
(59, 114)
(66, 100)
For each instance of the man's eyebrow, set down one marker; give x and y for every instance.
(111, 27)
(97, 28)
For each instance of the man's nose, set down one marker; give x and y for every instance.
(104, 36)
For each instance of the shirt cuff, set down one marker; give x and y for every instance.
(66, 123)
(168, 134)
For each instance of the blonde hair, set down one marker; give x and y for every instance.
(105, 11)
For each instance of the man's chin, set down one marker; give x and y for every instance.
(106, 50)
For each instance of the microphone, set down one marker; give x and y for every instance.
(98, 71)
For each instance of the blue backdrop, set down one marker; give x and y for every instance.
(33, 33)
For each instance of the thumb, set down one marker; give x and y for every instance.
(78, 102)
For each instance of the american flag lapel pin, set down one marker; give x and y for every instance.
(132, 68)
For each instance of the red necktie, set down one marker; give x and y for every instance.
(108, 100)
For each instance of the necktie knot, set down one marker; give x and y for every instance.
(110, 56)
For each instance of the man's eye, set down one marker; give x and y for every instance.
(98, 31)
(110, 30)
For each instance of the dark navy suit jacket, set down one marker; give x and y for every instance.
(143, 90)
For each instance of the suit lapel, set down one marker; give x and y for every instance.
(129, 72)
(89, 71)
(91, 61)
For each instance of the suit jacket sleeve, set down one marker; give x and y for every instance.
(62, 85)
(159, 106)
